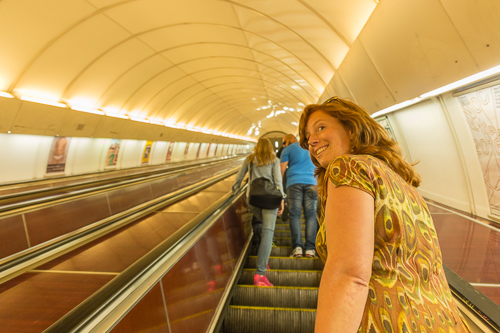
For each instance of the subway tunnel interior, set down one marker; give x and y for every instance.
(96, 87)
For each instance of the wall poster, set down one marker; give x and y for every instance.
(384, 121)
(58, 154)
(198, 152)
(208, 149)
(186, 150)
(112, 156)
(147, 152)
(170, 151)
(482, 111)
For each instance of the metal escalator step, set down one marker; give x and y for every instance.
(247, 319)
(281, 251)
(305, 264)
(285, 241)
(286, 226)
(281, 297)
(281, 277)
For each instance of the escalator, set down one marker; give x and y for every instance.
(289, 306)
(197, 279)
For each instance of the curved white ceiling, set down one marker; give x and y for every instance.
(232, 66)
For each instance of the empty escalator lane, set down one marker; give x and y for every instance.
(289, 306)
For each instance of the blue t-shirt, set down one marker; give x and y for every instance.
(300, 167)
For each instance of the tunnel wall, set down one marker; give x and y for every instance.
(25, 157)
(435, 134)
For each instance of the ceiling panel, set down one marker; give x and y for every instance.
(478, 23)
(217, 64)
(29, 26)
(418, 49)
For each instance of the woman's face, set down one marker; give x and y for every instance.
(327, 138)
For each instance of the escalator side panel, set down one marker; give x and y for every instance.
(121, 248)
(149, 315)
(44, 296)
(12, 236)
(46, 224)
(51, 222)
(193, 287)
(128, 197)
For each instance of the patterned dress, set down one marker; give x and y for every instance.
(408, 289)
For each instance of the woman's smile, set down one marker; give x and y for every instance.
(327, 138)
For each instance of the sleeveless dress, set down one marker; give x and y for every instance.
(408, 288)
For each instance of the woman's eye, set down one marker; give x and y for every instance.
(320, 128)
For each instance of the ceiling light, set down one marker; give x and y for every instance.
(43, 101)
(87, 110)
(142, 120)
(157, 122)
(6, 95)
(462, 82)
(439, 91)
(117, 115)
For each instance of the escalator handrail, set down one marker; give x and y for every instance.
(86, 313)
(16, 264)
(164, 173)
(16, 208)
(484, 308)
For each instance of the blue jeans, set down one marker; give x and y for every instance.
(303, 196)
(268, 218)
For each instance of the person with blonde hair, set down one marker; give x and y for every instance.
(262, 164)
(383, 264)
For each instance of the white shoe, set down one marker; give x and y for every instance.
(297, 252)
(310, 253)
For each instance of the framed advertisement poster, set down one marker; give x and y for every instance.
(170, 151)
(112, 155)
(186, 150)
(146, 154)
(208, 149)
(57, 156)
(198, 152)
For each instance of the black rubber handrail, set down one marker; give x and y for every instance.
(128, 216)
(110, 183)
(484, 308)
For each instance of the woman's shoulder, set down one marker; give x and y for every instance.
(347, 168)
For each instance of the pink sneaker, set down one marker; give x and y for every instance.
(261, 281)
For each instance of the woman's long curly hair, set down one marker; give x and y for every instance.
(369, 138)
(263, 151)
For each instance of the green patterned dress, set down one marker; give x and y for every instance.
(408, 289)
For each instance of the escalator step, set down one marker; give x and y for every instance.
(286, 226)
(280, 277)
(286, 241)
(245, 319)
(306, 264)
(281, 251)
(281, 297)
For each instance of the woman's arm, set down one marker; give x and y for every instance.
(343, 291)
(278, 180)
(239, 177)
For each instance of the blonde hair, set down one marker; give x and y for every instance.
(263, 151)
(369, 138)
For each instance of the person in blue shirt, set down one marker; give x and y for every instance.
(300, 183)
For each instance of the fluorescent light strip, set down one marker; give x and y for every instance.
(157, 122)
(6, 95)
(43, 101)
(142, 120)
(439, 91)
(117, 115)
(87, 110)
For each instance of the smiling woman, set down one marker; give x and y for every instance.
(383, 264)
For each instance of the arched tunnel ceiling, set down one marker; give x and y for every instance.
(243, 67)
